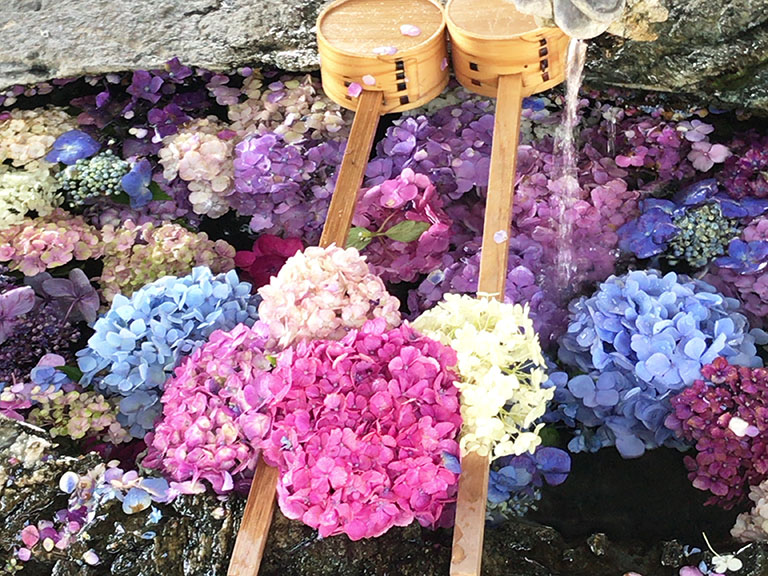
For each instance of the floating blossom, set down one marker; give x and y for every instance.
(726, 415)
(72, 146)
(639, 338)
(385, 50)
(216, 411)
(323, 293)
(405, 229)
(14, 303)
(360, 455)
(139, 341)
(266, 258)
(704, 155)
(501, 369)
(354, 89)
(410, 30)
(74, 296)
(199, 155)
(27, 135)
(136, 183)
(137, 255)
(39, 244)
(25, 191)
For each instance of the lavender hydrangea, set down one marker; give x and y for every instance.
(638, 339)
(141, 339)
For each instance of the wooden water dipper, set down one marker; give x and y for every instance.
(377, 57)
(497, 51)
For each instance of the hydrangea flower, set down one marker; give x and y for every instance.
(136, 183)
(14, 303)
(201, 155)
(638, 338)
(726, 415)
(267, 256)
(215, 411)
(323, 293)
(406, 230)
(136, 255)
(752, 526)
(39, 244)
(141, 339)
(501, 371)
(25, 191)
(358, 455)
(650, 233)
(27, 135)
(72, 146)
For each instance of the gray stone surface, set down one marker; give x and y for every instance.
(705, 49)
(44, 39)
(709, 50)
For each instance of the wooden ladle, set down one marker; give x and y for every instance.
(377, 57)
(497, 52)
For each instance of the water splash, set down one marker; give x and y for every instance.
(566, 169)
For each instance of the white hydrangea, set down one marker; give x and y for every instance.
(24, 190)
(28, 135)
(501, 368)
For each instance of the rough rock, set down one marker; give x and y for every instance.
(712, 51)
(44, 39)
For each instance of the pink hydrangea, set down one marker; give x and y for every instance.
(362, 435)
(410, 197)
(267, 256)
(215, 412)
(323, 293)
(39, 244)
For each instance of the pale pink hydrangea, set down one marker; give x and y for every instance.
(137, 255)
(364, 432)
(295, 108)
(215, 412)
(323, 293)
(201, 153)
(39, 244)
(28, 135)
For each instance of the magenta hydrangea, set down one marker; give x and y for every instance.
(215, 412)
(727, 416)
(411, 230)
(362, 435)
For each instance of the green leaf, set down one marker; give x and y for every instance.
(549, 436)
(121, 198)
(359, 238)
(157, 192)
(407, 231)
(73, 372)
(272, 359)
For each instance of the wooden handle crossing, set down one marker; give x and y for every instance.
(469, 529)
(254, 529)
(352, 170)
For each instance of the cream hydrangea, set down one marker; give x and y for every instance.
(201, 154)
(323, 293)
(28, 135)
(24, 190)
(501, 368)
(295, 108)
(752, 526)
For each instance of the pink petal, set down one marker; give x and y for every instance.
(410, 30)
(718, 153)
(369, 80)
(354, 90)
(385, 50)
(30, 536)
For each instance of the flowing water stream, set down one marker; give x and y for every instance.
(565, 161)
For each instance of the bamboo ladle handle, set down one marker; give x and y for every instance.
(254, 528)
(469, 528)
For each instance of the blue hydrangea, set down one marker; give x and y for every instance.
(514, 482)
(141, 339)
(639, 339)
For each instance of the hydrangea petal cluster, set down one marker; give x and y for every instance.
(704, 235)
(215, 411)
(744, 172)
(501, 369)
(39, 244)
(323, 293)
(24, 191)
(514, 481)
(267, 256)
(27, 135)
(286, 187)
(362, 434)
(409, 197)
(89, 178)
(141, 339)
(294, 108)
(726, 415)
(638, 338)
(752, 526)
(137, 255)
(200, 153)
